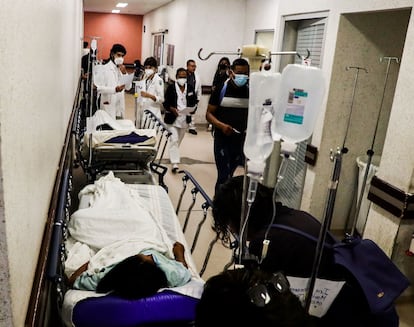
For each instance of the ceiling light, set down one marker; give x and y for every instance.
(116, 11)
(122, 4)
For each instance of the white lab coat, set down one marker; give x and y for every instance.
(106, 81)
(155, 86)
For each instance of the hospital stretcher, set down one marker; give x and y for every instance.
(169, 307)
(134, 155)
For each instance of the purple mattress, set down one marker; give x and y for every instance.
(166, 308)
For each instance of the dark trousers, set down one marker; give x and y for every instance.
(228, 154)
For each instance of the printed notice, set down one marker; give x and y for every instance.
(324, 293)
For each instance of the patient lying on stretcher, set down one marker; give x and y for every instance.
(137, 276)
(120, 246)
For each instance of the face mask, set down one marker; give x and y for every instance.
(240, 79)
(181, 81)
(85, 52)
(119, 61)
(149, 72)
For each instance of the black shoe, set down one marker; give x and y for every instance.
(192, 131)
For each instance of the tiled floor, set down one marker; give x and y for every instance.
(197, 158)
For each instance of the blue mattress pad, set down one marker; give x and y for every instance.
(163, 309)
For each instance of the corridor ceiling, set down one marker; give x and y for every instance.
(135, 7)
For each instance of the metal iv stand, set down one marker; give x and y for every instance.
(370, 152)
(94, 47)
(332, 189)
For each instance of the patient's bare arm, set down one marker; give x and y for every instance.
(178, 250)
(77, 273)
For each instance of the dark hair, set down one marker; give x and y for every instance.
(118, 48)
(151, 61)
(133, 278)
(223, 59)
(227, 204)
(240, 62)
(227, 301)
(85, 44)
(181, 69)
(190, 61)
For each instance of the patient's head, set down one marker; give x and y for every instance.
(133, 278)
(227, 205)
(249, 297)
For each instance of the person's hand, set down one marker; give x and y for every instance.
(77, 273)
(174, 111)
(122, 69)
(227, 130)
(119, 88)
(178, 250)
(148, 95)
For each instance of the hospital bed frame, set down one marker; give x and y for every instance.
(131, 163)
(49, 283)
(57, 251)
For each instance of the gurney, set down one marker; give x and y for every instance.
(169, 307)
(118, 146)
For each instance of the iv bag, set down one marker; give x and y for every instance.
(301, 93)
(263, 93)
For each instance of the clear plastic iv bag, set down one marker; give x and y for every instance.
(264, 91)
(301, 93)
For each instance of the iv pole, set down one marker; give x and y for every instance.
(370, 152)
(332, 188)
(94, 47)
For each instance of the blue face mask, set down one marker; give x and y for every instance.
(240, 79)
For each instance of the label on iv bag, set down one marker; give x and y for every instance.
(266, 121)
(295, 107)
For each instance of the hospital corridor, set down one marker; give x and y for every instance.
(192, 163)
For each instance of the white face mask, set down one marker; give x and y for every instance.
(119, 61)
(181, 81)
(149, 72)
(85, 51)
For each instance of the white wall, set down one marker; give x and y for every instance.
(191, 26)
(40, 59)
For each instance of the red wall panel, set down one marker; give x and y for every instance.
(115, 28)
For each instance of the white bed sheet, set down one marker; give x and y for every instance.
(159, 204)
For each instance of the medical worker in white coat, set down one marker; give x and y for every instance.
(152, 95)
(109, 83)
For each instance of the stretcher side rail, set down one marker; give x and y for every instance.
(206, 205)
(163, 132)
(48, 286)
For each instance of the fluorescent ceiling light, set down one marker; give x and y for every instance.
(116, 11)
(122, 4)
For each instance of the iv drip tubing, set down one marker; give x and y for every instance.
(370, 152)
(280, 175)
